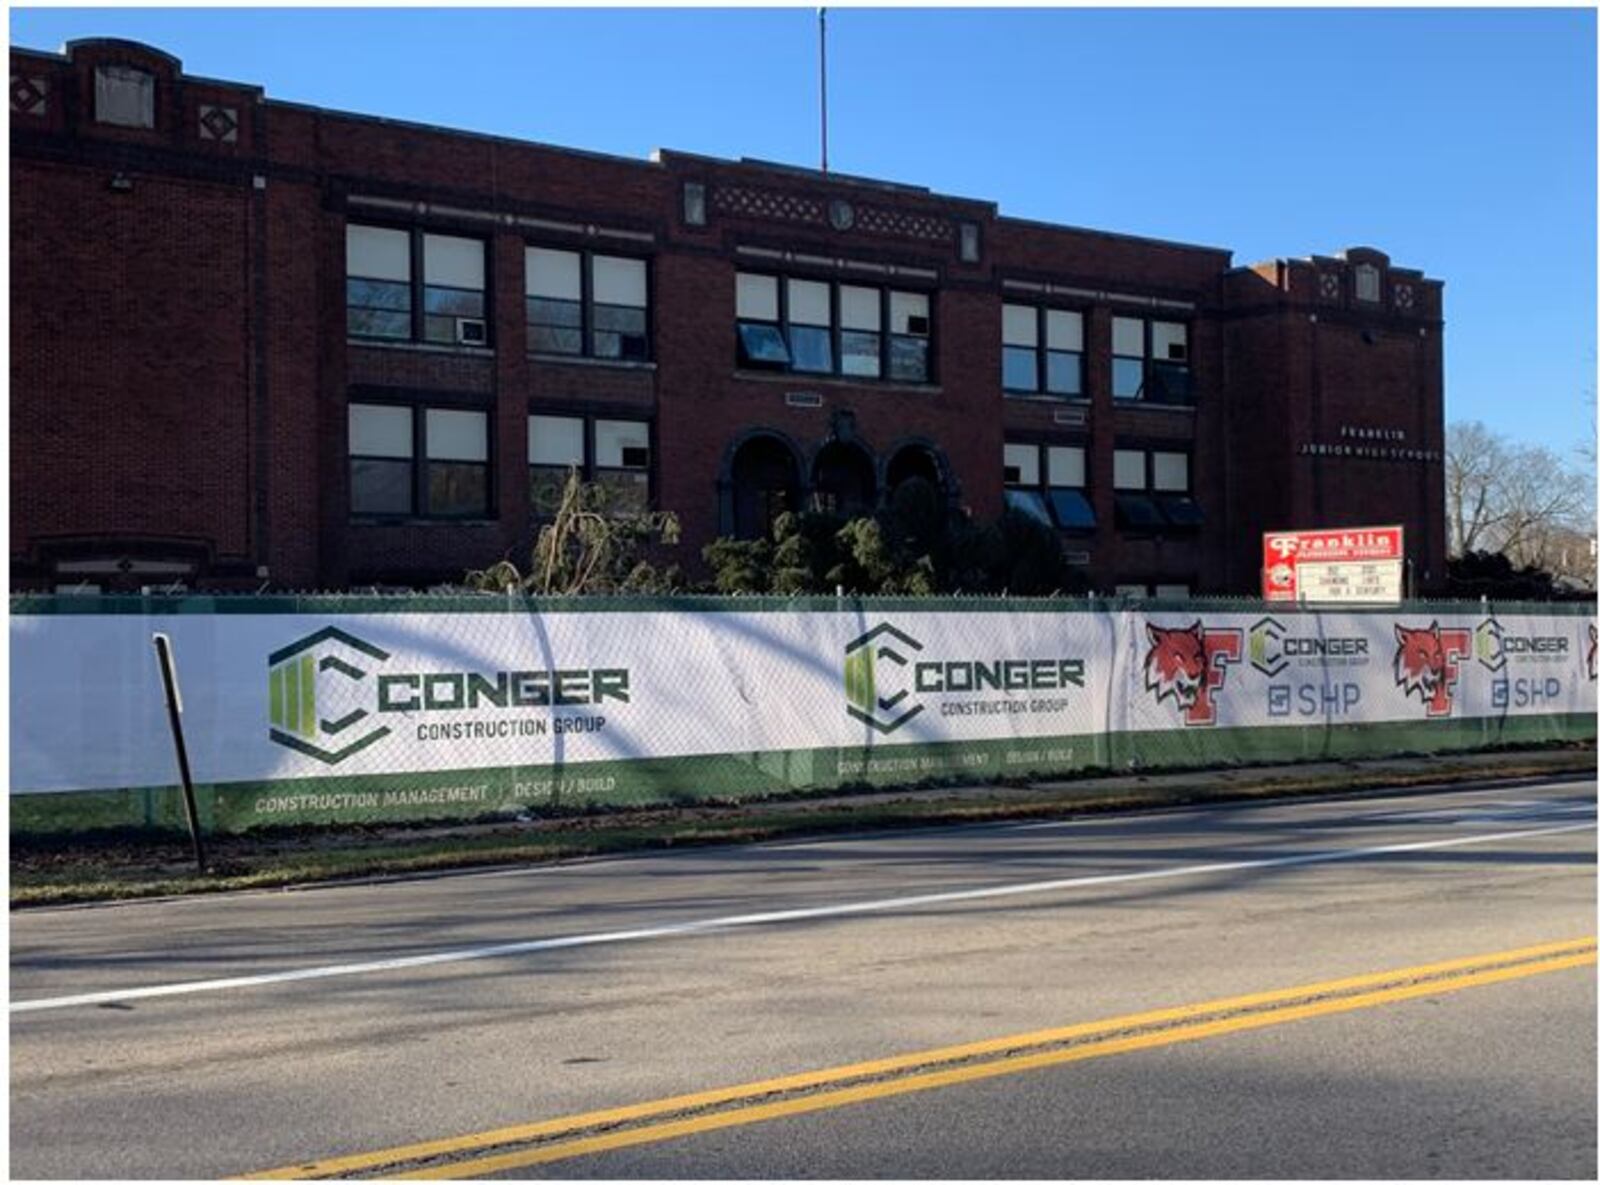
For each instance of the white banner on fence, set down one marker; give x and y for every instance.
(289, 696)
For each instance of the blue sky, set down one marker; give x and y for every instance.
(1461, 142)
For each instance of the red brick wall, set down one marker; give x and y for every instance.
(183, 419)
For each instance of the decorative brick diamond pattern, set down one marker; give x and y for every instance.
(1404, 298)
(219, 123)
(766, 203)
(1328, 286)
(28, 95)
(879, 221)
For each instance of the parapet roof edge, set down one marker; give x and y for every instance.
(492, 137)
(65, 56)
(1116, 234)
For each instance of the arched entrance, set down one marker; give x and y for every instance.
(842, 480)
(914, 460)
(766, 483)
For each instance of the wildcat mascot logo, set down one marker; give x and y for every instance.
(1426, 664)
(1189, 666)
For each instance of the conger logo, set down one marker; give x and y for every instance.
(1493, 646)
(293, 674)
(1272, 648)
(861, 658)
(878, 660)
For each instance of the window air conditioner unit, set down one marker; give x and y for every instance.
(1177, 352)
(1076, 558)
(917, 326)
(471, 332)
(1013, 474)
(634, 457)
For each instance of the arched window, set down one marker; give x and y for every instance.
(766, 483)
(843, 480)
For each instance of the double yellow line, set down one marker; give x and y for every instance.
(797, 1094)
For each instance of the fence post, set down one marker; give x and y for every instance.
(169, 682)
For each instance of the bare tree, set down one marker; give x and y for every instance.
(1519, 500)
(1473, 458)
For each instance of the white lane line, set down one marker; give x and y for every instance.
(705, 925)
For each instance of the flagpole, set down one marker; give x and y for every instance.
(822, 43)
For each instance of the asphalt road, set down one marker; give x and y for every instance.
(204, 1038)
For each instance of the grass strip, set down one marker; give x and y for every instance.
(64, 875)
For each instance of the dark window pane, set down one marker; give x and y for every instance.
(619, 332)
(1073, 512)
(627, 347)
(453, 302)
(908, 359)
(859, 353)
(619, 318)
(1064, 373)
(1169, 383)
(377, 294)
(1019, 368)
(1127, 377)
(1030, 502)
(1182, 511)
(547, 482)
(458, 488)
(374, 323)
(812, 347)
(761, 345)
(544, 340)
(380, 486)
(439, 329)
(545, 311)
(627, 492)
(1138, 512)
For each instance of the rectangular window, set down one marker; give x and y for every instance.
(553, 285)
(1169, 363)
(384, 292)
(1127, 358)
(1170, 471)
(860, 340)
(555, 447)
(1153, 492)
(1060, 498)
(385, 443)
(1063, 352)
(378, 282)
(908, 337)
(761, 341)
(621, 309)
(580, 303)
(1042, 351)
(452, 292)
(1019, 348)
(381, 473)
(811, 326)
(620, 461)
(821, 327)
(458, 463)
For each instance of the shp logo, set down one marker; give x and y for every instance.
(1427, 664)
(1190, 666)
(293, 674)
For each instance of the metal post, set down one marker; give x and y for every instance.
(169, 681)
(822, 42)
